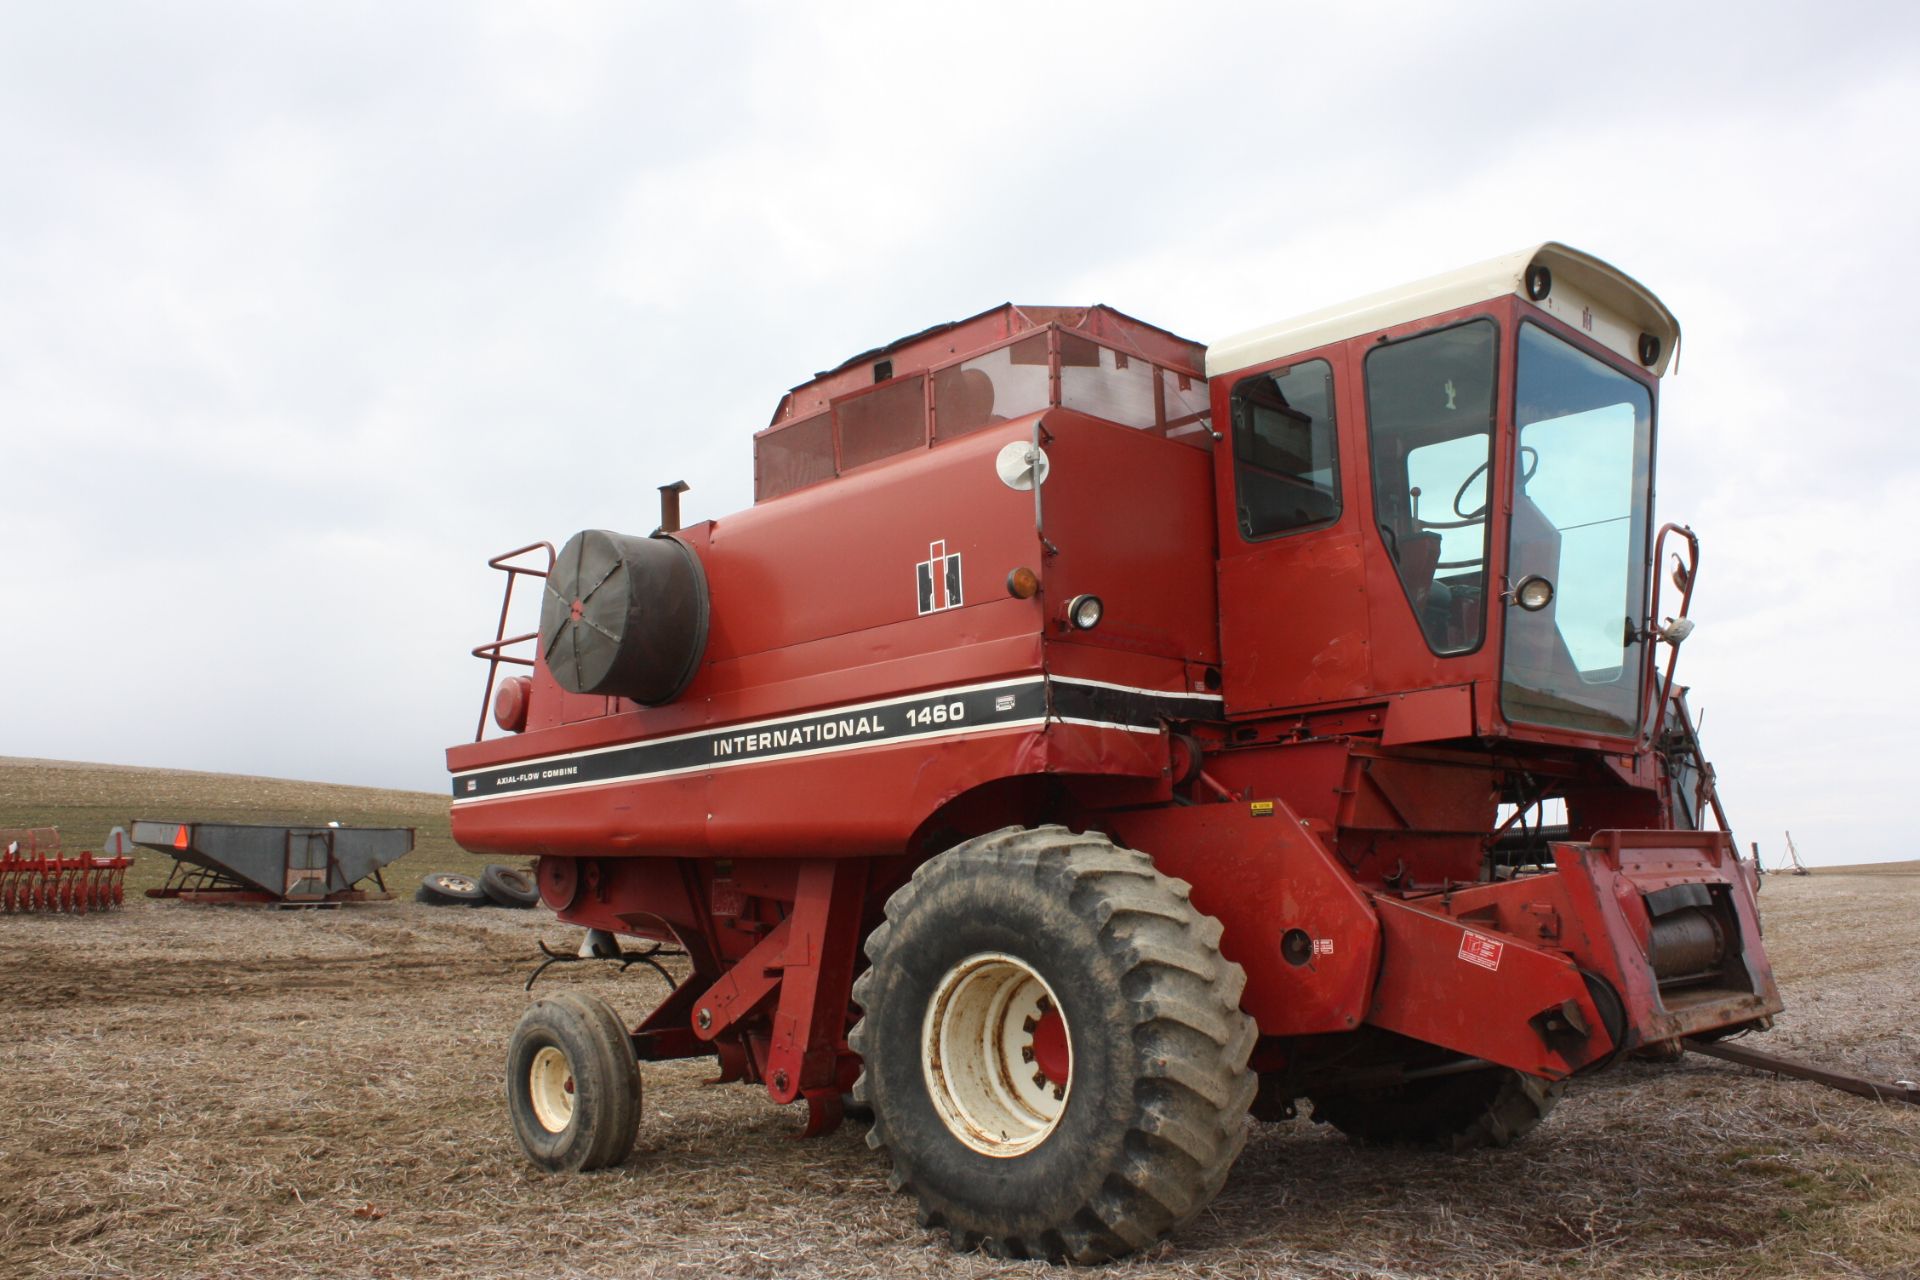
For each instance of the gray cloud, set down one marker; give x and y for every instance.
(303, 313)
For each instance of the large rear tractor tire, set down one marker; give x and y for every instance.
(1492, 1108)
(1053, 1047)
(573, 1085)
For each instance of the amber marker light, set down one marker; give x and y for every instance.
(1023, 583)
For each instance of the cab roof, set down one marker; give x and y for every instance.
(1582, 285)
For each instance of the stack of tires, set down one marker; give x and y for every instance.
(497, 886)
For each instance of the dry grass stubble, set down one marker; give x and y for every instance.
(205, 1091)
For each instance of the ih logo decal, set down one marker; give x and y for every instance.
(939, 579)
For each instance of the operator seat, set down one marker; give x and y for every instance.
(1416, 556)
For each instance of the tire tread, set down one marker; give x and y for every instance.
(1185, 1137)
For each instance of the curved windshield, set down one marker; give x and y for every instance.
(1581, 488)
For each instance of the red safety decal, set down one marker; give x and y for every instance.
(1481, 950)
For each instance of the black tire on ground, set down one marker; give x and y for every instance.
(1149, 1110)
(509, 887)
(573, 1085)
(450, 889)
(1448, 1113)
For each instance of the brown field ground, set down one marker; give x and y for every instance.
(197, 1091)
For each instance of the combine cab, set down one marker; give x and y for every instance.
(1183, 732)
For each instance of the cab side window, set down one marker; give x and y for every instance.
(1285, 470)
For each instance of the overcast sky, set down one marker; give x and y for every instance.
(305, 310)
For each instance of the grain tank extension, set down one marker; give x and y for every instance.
(1088, 738)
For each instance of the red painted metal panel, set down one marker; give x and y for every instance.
(1430, 715)
(1477, 992)
(852, 804)
(1264, 877)
(1128, 517)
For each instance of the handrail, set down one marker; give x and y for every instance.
(1684, 577)
(492, 653)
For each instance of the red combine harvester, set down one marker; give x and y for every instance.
(1185, 731)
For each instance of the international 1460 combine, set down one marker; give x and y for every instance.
(1184, 732)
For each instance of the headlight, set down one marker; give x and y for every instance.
(1533, 593)
(1084, 612)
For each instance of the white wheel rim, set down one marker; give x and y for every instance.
(978, 1055)
(458, 884)
(550, 1087)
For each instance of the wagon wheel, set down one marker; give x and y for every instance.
(450, 889)
(573, 1084)
(1451, 1113)
(1053, 1047)
(509, 887)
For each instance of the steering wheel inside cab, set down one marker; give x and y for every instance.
(1529, 463)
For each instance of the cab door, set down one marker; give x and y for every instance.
(1289, 475)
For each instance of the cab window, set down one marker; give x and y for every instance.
(1430, 405)
(1286, 472)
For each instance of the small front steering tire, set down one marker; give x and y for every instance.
(573, 1084)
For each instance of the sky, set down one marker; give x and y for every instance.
(306, 310)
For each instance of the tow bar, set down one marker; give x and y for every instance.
(1897, 1091)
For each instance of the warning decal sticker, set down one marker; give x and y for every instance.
(1479, 949)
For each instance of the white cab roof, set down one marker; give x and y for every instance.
(1587, 294)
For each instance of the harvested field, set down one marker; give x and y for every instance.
(87, 800)
(196, 1091)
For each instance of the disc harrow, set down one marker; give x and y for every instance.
(37, 875)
